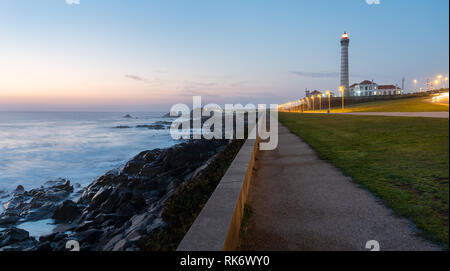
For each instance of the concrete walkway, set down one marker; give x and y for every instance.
(443, 115)
(303, 203)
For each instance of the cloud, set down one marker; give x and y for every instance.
(373, 2)
(134, 77)
(72, 2)
(317, 74)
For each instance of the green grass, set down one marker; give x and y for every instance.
(403, 161)
(399, 105)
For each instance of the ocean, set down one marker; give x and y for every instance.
(78, 146)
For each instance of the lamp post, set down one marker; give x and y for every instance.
(446, 80)
(313, 103)
(415, 84)
(329, 101)
(439, 77)
(320, 101)
(342, 89)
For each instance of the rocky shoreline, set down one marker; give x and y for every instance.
(118, 211)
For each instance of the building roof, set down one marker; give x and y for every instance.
(354, 85)
(315, 92)
(366, 82)
(387, 87)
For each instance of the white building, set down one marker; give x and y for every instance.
(370, 88)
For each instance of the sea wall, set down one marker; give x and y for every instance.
(218, 224)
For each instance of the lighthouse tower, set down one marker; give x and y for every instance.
(345, 41)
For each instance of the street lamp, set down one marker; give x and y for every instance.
(329, 101)
(415, 84)
(342, 89)
(312, 98)
(320, 101)
(439, 77)
(446, 80)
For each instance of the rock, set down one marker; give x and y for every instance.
(89, 236)
(38, 203)
(47, 238)
(101, 218)
(122, 127)
(66, 212)
(152, 126)
(101, 196)
(127, 116)
(46, 246)
(65, 186)
(13, 235)
(8, 219)
(174, 114)
(126, 210)
(85, 226)
(121, 245)
(116, 211)
(19, 188)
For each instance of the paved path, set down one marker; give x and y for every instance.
(443, 115)
(303, 203)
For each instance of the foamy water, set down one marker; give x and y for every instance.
(37, 147)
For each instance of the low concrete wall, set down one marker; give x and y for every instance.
(218, 224)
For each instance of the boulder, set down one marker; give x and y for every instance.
(9, 219)
(90, 236)
(13, 235)
(66, 212)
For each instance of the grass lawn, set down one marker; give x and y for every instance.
(403, 161)
(399, 105)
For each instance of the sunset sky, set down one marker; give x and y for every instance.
(122, 55)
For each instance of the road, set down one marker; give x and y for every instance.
(302, 203)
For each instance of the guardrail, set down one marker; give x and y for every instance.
(309, 104)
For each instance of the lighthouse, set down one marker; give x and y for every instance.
(345, 41)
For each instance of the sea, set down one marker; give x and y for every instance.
(36, 147)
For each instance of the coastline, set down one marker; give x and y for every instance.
(116, 211)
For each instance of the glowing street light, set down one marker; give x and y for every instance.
(439, 77)
(415, 84)
(312, 98)
(329, 101)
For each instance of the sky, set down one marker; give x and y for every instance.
(122, 55)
